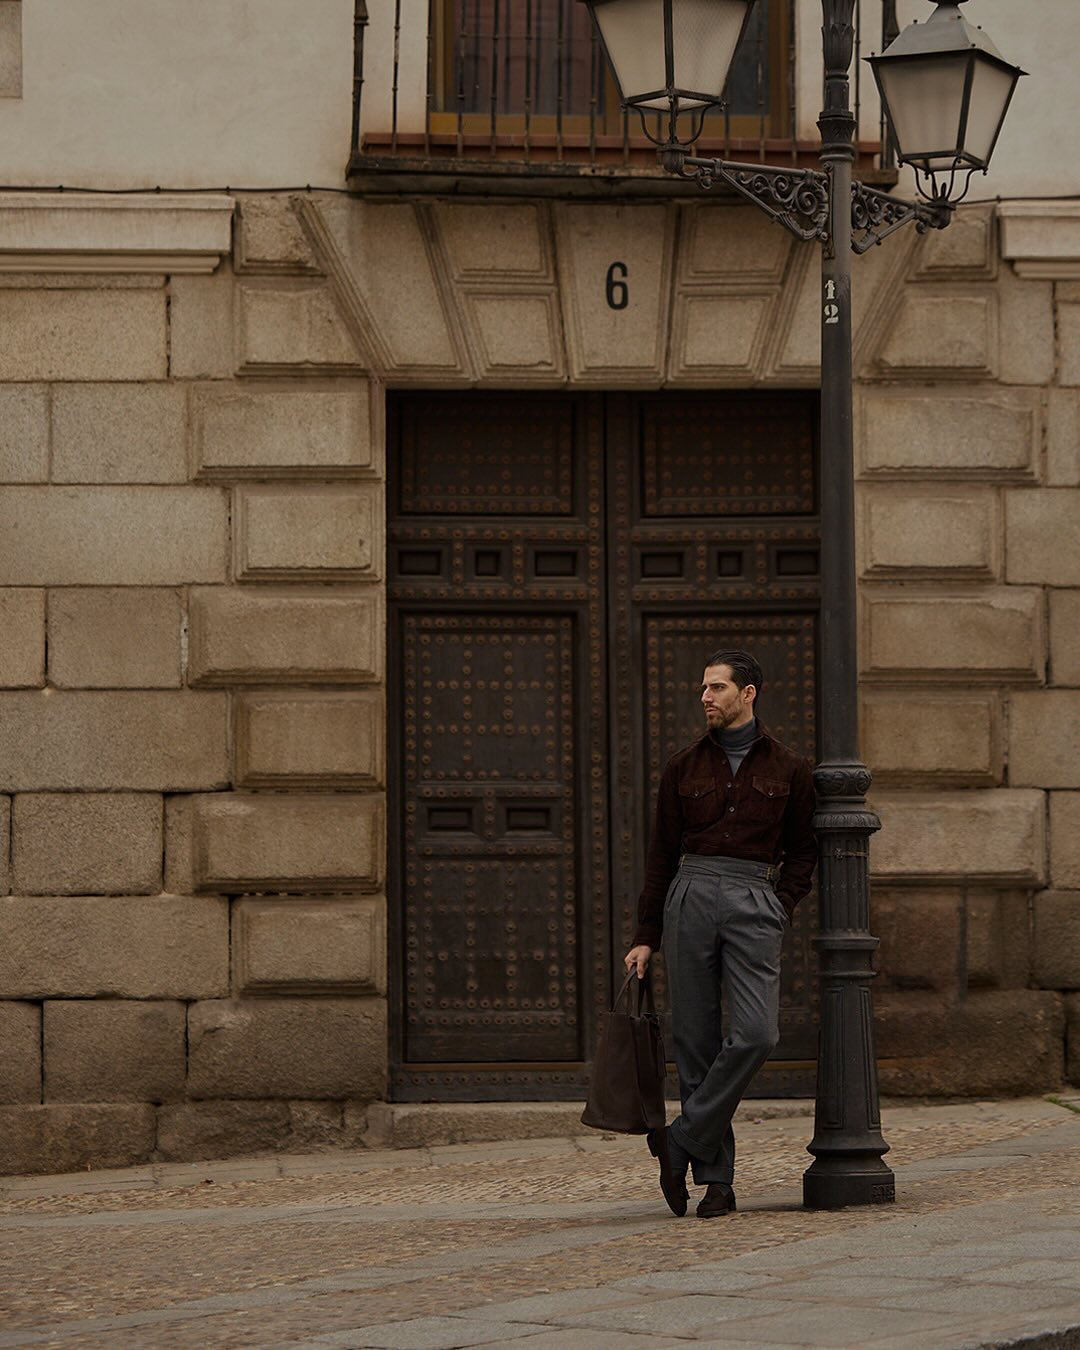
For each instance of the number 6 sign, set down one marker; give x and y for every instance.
(618, 292)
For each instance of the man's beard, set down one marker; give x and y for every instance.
(723, 719)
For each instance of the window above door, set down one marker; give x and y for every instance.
(518, 65)
(502, 83)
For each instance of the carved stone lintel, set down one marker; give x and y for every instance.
(144, 232)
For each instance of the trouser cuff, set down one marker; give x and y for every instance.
(705, 1167)
(698, 1152)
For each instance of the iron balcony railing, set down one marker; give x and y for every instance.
(513, 83)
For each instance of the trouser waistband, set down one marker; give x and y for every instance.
(719, 866)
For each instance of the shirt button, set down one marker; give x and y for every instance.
(731, 808)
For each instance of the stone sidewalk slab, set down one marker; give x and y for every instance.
(559, 1242)
(433, 1333)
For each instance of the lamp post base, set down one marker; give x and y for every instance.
(847, 1143)
(839, 1180)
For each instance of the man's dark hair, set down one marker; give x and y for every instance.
(744, 669)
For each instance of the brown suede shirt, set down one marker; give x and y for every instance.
(763, 814)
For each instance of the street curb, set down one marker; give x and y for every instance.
(1066, 1339)
(408, 1125)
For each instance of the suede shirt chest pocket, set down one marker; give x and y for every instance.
(700, 801)
(768, 797)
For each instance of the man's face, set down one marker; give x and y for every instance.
(725, 704)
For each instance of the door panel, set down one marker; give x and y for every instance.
(714, 543)
(704, 456)
(560, 565)
(500, 894)
(490, 824)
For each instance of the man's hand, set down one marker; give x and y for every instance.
(638, 956)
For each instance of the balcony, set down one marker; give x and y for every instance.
(514, 96)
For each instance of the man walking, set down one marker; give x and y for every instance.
(732, 853)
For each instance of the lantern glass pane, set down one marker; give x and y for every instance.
(990, 92)
(633, 33)
(925, 99)
(706, 33)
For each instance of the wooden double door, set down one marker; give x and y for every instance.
(560, 566)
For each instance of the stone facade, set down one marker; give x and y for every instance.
(192, 922)
(192, 598)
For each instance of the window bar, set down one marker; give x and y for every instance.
(760, 77)
(472, 65)
(792, 86)
(510, 94)
(890, 31)
(528, 74)
(560, 65)
(429, 100)
(594, 89)
(727, 118)
(461, 82)
(394, 89)
(858, 75)
(360, 20)
(494, 78)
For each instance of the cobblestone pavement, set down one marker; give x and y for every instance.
(561, 1242)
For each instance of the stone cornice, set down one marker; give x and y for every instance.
(1042, 238)
(89, 233)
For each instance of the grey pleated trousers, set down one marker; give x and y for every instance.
(723, 928)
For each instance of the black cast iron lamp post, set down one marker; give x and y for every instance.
(946, 90)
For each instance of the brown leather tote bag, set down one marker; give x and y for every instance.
(626, 1094)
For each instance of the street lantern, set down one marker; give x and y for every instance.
(670, 56)
(945, 89)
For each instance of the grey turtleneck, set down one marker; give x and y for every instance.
(736, 742)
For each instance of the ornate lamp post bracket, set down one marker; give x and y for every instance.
(875, 215)
(798, 199)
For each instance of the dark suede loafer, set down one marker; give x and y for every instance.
(672, 1183)
(718, 1199)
